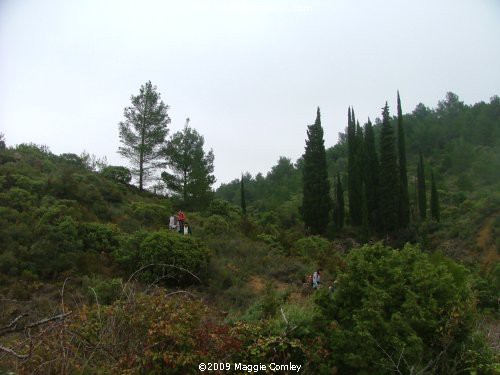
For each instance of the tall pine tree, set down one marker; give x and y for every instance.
(191, 168)
(143, 132)
(422, 199)
(316, 201)
(371, 176)
(434, 199)
(404, 199)
(389, 187)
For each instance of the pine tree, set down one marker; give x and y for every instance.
(143, 132)
(316, 201)
(243, 201)
(191, 176)
(371, 176)
(355, 151)
(434, 199)
(404, 199)
(389, 189)
(422, 200)
(339, 204)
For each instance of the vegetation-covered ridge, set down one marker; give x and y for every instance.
(451, 152)
(93, 281)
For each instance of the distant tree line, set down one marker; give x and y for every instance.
(377, 183)
(459, 146)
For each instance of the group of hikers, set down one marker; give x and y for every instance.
(178, 223)
(314, 280)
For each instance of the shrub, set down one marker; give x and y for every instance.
(117, 173)
(172, 249)
(106, 291)
(100, 237)
(17, 198)
(216, 225)
(152, 214)
(392, 304)
(313, 246)
(224, 208)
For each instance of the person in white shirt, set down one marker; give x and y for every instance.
(316, 278)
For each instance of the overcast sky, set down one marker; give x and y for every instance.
(249, 74)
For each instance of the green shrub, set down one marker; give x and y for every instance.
(152, 214)
(312, 246)
(117, 173)
(18, 198)
(216, 225)
(106, 291)
(100, 237)
(399, 304)
(224, 208)
(173, 251)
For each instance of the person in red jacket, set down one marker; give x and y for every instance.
(181, 218)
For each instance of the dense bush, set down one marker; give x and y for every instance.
(153, 335)
(152, 214)
(100, 237)
(117, 173)
(216, 225)
(312, 246)
(167, 256)
(223, 208)
(391, 304)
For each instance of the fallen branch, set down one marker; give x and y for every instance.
(34, 324)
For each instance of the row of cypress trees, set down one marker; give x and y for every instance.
(377, 183)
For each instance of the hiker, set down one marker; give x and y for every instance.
(309, 280)
(172, 224)
(187, 229)
(316, 279)
(181, 218)
(333, 286)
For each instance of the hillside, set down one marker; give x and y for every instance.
(459, 143)
(92, 280)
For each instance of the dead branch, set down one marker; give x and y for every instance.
(15, 328)
(12, 323)
(13, 353)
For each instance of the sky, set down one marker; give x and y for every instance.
(248, 74)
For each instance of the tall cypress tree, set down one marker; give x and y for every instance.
(339, 204)
(365, 231)
(404, 199)
(389, 188)
(422, 199)
(243, 201)
(316, 201)
(371, 175)
(434, 199)
(354, 143)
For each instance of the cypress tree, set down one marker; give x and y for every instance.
(339, 204)
(355, 147)
(316, 201)
(389, 188)
(404, 199)
(243, 201)
(434, 199)
(371, 177)
(365, 231)
(422, 200)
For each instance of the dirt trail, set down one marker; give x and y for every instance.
(258, 284)
(486, 242)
